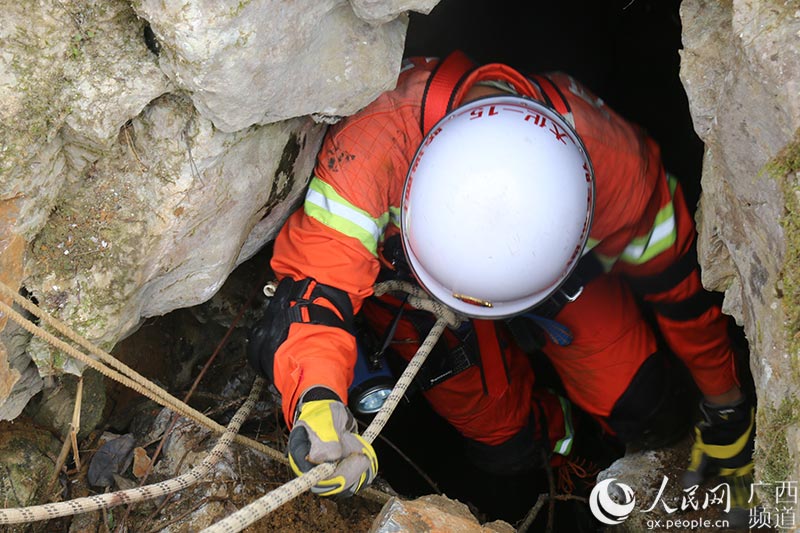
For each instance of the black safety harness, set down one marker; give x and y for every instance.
(295, 301)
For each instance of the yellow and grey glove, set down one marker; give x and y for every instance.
(325, 431)
(723, 447)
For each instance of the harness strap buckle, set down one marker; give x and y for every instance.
(571, 297)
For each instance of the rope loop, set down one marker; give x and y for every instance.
(112, 368)
(420, 299)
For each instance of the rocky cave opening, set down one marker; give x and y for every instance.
(627, 52)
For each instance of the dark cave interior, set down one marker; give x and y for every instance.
(626, 51)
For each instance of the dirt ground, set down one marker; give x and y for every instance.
(305, 514)
(244, 478)
(311, 514)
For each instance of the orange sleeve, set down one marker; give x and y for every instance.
(631, 189)
(363, 159)
(314, 354)
(626, 163)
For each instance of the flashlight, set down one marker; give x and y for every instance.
(372, 384)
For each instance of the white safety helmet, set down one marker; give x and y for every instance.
(497, 206)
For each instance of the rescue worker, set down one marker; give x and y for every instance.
(529, 206)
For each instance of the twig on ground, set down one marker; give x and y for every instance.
(189, 394)
(551, 482)
(70, 440)
(186, 513)
(540, 501)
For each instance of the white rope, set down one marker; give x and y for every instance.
(50, 511)
(274, 499)
(118, 371)
(255, 510)
(420, 299)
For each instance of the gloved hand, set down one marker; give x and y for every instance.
(724, 447)
(324, 431)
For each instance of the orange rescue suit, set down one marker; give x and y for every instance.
(363, 162)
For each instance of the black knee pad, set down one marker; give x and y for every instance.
(656, 408)
(521, 453)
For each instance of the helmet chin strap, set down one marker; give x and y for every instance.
(494, 73)
(487, 88)
(456, 80)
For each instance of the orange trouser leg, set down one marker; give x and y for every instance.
(508, 433)
(611, 341)
(461, 400)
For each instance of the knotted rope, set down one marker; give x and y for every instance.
(49, 511)
(118, 372)
(123, 374)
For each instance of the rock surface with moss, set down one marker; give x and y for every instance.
(131, 200)
(161, 219)
(741, 70)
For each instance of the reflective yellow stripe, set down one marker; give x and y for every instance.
(394, 215)
(327, 206)
(564, 445)
(661, 237)
(606, 261)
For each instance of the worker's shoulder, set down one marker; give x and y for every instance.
(599, 126)
(368, 150)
